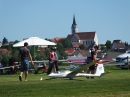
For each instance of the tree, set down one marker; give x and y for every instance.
(103, 47)
(46, 53)
(9, 48)
(61, 51)
(4, 41)
(16, 41)
(33, 51)
(108, 44)
(1, 57)
(126, 44)
(40, 56)
(15, 54)
(5, 59)
(65, 42)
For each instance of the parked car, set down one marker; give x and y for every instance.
(121, 60)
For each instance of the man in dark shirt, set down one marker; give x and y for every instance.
(24, 53)
(92, 54)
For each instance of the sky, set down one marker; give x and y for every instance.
(53, 18)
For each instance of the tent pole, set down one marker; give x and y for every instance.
(34, 53)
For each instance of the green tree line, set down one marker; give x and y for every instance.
(36, 55)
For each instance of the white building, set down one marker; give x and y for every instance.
(86, 38)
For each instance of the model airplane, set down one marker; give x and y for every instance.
(76, 72)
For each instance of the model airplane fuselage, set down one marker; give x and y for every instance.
(72, 74)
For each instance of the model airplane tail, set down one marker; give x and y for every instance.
(99, 72)
(75, 72)
(99, 69)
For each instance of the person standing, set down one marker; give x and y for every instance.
(56, 59)
(24, 54)
(51, 61)
(92, 54)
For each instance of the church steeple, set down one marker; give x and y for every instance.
(74, 27)
(74, 22)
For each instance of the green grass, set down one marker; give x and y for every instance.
(113, 84)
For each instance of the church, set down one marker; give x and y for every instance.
(77, 38)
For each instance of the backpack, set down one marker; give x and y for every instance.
(90, 53)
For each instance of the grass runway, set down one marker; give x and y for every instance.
(114, 84)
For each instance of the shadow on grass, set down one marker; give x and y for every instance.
(50, 78)
(64, 79)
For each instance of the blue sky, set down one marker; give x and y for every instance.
(53, 18)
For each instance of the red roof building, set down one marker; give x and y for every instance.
(85, 38)
(4, 51)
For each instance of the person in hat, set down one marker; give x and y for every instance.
(92, 54)
(56, 59)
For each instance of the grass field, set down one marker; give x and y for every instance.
(114, 84)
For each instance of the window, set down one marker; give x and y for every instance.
(86, 42)
(128, 52)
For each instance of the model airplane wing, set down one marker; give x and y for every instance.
(73, 73)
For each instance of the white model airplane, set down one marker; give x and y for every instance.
(76, 72)
(73, 67)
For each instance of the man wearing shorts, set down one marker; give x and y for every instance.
(24, 53)
(92, 54)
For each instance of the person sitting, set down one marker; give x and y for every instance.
(13, 68)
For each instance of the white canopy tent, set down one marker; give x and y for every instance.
(34, 41)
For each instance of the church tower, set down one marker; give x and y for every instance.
(74, 27)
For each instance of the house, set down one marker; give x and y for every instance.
(80, 53)
(5, 44)
(56, 40)
(75, 45)
(5, 51)
(78, 56)
(85, 38)
(76, 53)
(69, 51)
(11, 42)
(25, 38)
(41, 48)
(118, 45)
(117, 41)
